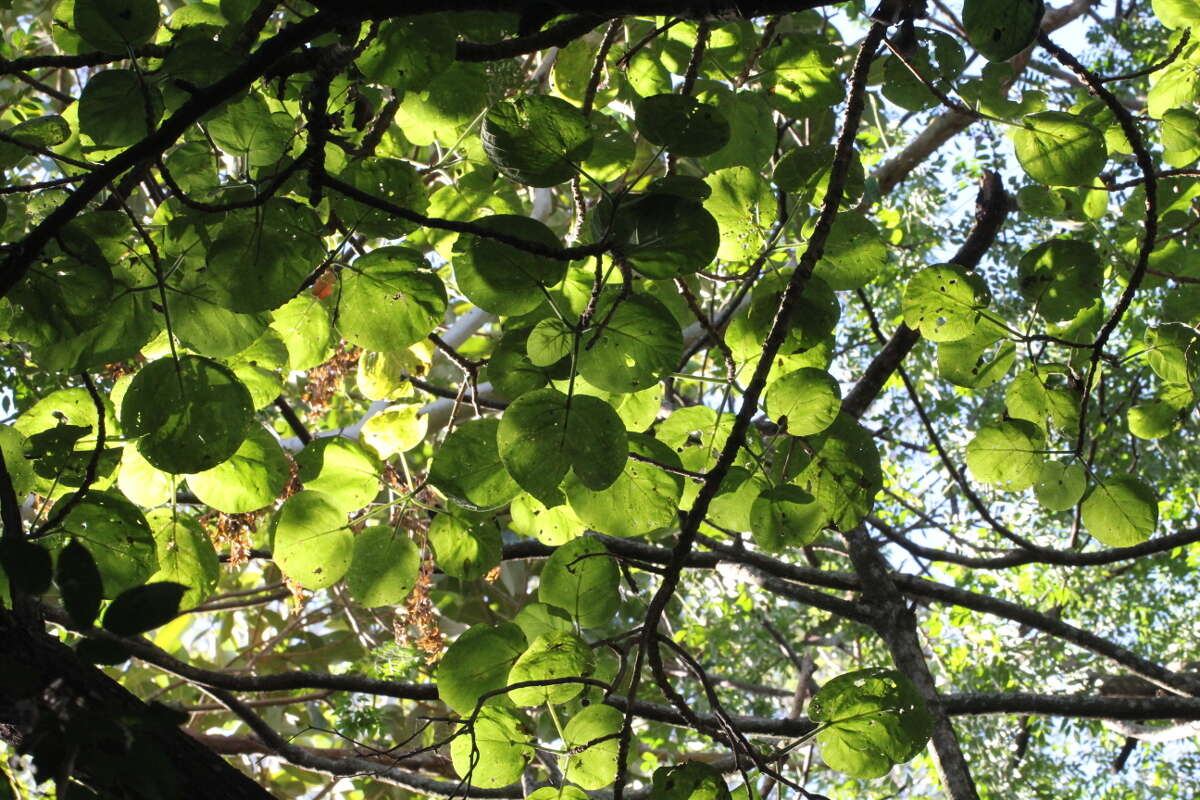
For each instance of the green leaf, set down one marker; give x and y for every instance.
(500, 278)
(1007, 455)
(408, 53)
(247, 128)
(643, 498)
(549, 342)
(1159, 417)
(1059, 485)
(1180, 134)
(582, 579)
(185, 555)
(250, 479)
(494, 752)
(639, 346)
(477, 663)
(190, 414)
(801, 75)
(566, 792)
(544, 434)
(550, 526)
(854, 255)
(465, 549)
(384, 566)
(117, 535)
(744, 207)
(537, 619)
(978, 360)
(661, 235)
(938, 59)
(804, 402)
(535, 139)
(692, 780)
(79, 581)
(106, 115)
(397, 429)
(551, 656)
(805, 171)
(312, 545)
(304, 325)
(1121, 511)
(1173, 352)
(999, 29)
(114, 26)
(870, 720)
(1176, 13)
(143, 608)
(786, 516)
(467, 467)
(20, 471)
(682, 124)
(342, 470)
(390, 299)
(387, 179)
(844, 474)
(943, 302)
(1061, 277)
(1060, 149)
(595, 729)
(27, 565)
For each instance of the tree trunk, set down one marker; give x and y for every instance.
(77, 722)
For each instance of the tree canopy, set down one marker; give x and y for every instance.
(618, 399)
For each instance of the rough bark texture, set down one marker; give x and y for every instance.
(62, 710)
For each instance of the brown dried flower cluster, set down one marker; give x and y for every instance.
(325, 380)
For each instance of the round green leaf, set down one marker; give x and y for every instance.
(550, 526)
(805, 172)
(581, 579)
(115, 26)
(999, 29)
(643, 498)
(661, 235)
(550, 656)
(390, 299)
(692, 780)
(943, 302)
(1176, 13)
(408, 53)
(1061, 277)
(500, 278)
(185, 555)
(20, 470)
(143, 608)
(467, 467)
(537, 619)
(854, 253)
(117, 535)
(786, 516)
(550, 341)
(1007, 455)
(805, 402)
(1059, 485)
(1060, 149)
(396, 429)
(536, 139)
(477, 663)
(342, 470)
(384, 566)
(494, 752)
(106, 115)
(543, 435)
(304, 326)
(252, 477)
(682, 124)
(638, 347)
(191, 414)
(78, 578)
(872, 719)
(464, 549)
(937, 58)
(1121, 511)
(595, 728)
(844, 474)
(312, 544)
(391, 180)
